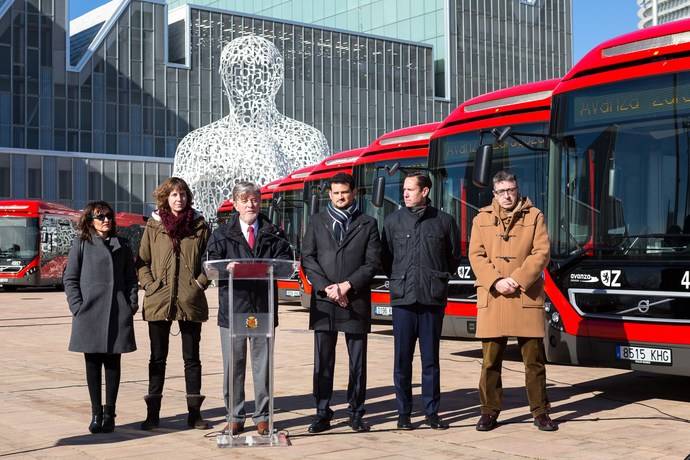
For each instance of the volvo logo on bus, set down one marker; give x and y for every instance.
(643, 306)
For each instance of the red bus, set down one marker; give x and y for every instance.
(131, 226)
(35, 238)
(315, 195)
(390, 156)
(525, 108)
(225, 210)
(619, 206)
(287, 212)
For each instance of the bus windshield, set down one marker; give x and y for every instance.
(393, 197)
(288, 215)
(18, 237)
(622, 185)
(453, 158)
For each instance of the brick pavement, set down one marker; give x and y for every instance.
(604, 413)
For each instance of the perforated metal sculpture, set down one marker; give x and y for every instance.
(254, 142)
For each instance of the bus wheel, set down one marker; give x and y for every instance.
(9, 288)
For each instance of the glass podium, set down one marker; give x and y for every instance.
(261, 274)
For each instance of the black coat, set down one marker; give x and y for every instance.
(228, 242)
(420, 254)
(101, 288)
(325, 262)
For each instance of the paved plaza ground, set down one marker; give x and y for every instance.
(44, 404)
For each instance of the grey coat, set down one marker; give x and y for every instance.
(101, 290)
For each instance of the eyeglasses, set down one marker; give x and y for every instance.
(103, 217)
(505, 191)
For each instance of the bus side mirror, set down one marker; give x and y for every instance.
(306, 190)
(482, 165)
(314, 204)
(275, 202)
(379, 188)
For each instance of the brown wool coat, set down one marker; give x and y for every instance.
(523, 257)
(170, 283)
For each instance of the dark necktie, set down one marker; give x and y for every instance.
(250, 236)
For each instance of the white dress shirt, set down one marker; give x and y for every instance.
(245, 229)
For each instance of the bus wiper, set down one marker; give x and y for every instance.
(577, 255)
(665, 236)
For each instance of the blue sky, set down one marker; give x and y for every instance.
(593, 20)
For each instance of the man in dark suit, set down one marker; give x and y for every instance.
(341, 253)
(246, 235)
(421, 250)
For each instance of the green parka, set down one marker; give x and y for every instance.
(174, 285)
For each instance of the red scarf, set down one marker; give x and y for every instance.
(178, 227)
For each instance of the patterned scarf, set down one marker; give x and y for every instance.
(341, 219)
(178, 227)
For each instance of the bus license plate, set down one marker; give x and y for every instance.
(292, 293)
(383, 311)
(644, 355)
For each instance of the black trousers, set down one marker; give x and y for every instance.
(159, 335)
(324, 366)
(95, 363)
(412, 323)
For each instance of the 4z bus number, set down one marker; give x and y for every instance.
(685, 282)
(464, 272)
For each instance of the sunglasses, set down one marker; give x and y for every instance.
(103, 217)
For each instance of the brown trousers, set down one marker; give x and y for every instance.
(490, 385)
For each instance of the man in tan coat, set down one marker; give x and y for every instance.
(509, 249)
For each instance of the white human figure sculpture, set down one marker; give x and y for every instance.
(254, 142)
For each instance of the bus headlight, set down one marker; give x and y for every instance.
(553, 316)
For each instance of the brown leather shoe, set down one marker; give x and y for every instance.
(262, 428)
(487, 422)
(237, 428)
(544, 423)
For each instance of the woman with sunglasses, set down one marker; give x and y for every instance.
(101, 288)
(169, 267)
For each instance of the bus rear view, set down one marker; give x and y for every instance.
(619, 206)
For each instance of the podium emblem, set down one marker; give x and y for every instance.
(251, 322)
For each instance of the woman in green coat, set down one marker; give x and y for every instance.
(170, 271)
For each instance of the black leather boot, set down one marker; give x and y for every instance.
(194, 419)
(108, 419)
(153, 410)
(96, 425)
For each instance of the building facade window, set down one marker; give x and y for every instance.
(64, 166)
(5, 175)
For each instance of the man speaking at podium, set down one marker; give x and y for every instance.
(246, 235)
(341, 253)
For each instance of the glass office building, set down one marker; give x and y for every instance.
(95, 108)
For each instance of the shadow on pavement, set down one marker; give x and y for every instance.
(607, 393)
(459, 408)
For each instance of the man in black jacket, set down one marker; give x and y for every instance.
(420, 252)
(246, 235)
(341, 253)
